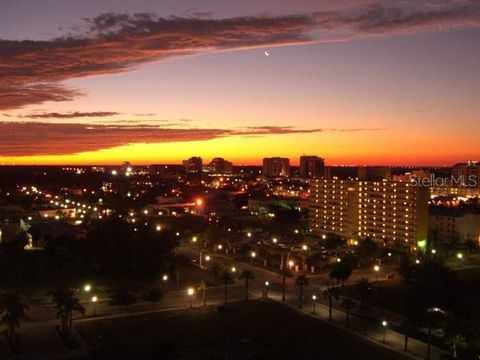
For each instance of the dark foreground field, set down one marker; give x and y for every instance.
(253, 330)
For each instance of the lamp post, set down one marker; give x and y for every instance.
(94, 300)
(190, 293)
(314, 299)
(384, 328)
(266, 289)
(376, 268)
(460, 258)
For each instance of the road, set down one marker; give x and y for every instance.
(42, 342)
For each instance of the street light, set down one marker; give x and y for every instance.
(234, 269)
(190, 293)
(314, 298)
(304, 247)
(266, 289)
(249, 234)
(87, 288)
(94, 300)
(207, 258)
(274, 240)
(460, 256)
(290, 264)
(384, 327)
(158, 228)
(376, 268)
(220, 246)
(194, 239)
(254, 254)
(165, 277)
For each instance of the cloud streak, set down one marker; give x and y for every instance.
(32, 72)
(41, 138)
(70, 115)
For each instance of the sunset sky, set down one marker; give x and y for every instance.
(356, 82)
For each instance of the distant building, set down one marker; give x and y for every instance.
(311, 167)
(193, 165)
(374, 173)
(220, 166)
(466, 174)
(387, 211)
(453, 225)
(276, 167)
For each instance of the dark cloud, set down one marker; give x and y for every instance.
(70, 115)
(39, 138)
(119, 42)
(32, 71)
(376, 19)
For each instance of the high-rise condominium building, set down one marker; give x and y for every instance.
(311, 167)
(466, 174)
(193, 165)
(220, 166)
(276, 167)
(387, 211)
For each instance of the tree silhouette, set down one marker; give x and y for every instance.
(227, 279)
(301, 281)
(364, 289)
(247, 275)
(66, 303)
(348, 305)
(13, 309)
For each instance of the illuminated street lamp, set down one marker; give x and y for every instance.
(304, 247)
(274, 240)
(384, 328)
(249, 234)
(165, 277)
(190, 293)
(266, 289)
(324, 236)
(291, 264)
(219, 246)
(314, 299)
(434, 251)
(234, 269)
(376, 268)
(158, 228)
(94, 300)
(460, 258)
(417, 261)
(253, 254)
(194, 239)
(87, 288)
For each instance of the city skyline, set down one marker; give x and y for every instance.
(355, 82)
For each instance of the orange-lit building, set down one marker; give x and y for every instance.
(387, 211)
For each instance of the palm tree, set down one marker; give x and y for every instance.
(247, 275)
(227, 279)
(456, 341)
(66, 303)
(348, 305)
(364, 289)
(14, 309)
(203, 288)
(301, 281)
(330, 293)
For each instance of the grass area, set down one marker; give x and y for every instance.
(244, 330)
